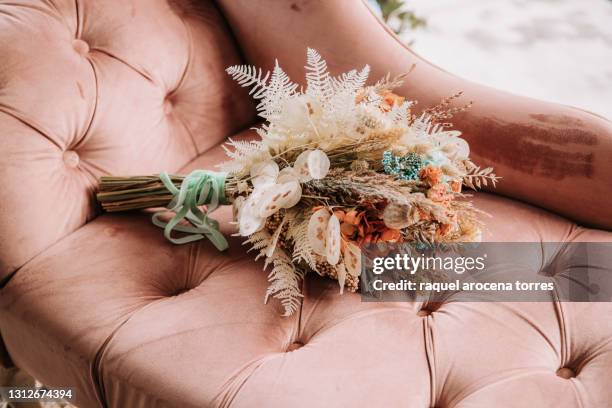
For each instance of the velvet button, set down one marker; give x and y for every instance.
(423, 313)
(566, 373)
(80, 46)
(168, 107)
(71, 158)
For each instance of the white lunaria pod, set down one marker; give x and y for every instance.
(341, 271)
(317, 228)
(237, 206)
(279, 196)
(249, 220)
(462, 149)
(250, 224)
(445, 137)
(291, 193)
(301, 166)
(287, 174)
(264, 173)
(318, 164)
(352, 259)
(397, 215)
(332, 241)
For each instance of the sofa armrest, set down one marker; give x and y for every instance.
(553, 156)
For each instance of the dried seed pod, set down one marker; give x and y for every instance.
(250, 220)
(332, 241)
(290, 194)
(301, 166)
(287, 174)
(264, 173)
(462, 149)
(279, 196)
(317, 229)
(341, 276)
(237, 206)
(318, 164)
(352, 259)
(397, 215)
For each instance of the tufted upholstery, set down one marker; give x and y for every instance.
(87, 90)
(102, 303)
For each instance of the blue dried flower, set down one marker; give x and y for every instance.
(405, 167)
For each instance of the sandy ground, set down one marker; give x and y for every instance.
(557, 50)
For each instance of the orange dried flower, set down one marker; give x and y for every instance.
(361, 96)
(456, 186)
(391, 235)
(438, 193)
(339, 215)
(424, 215)
(443, 229)
(353, 217)
(347, 229)
(389, 100)
(431, 175)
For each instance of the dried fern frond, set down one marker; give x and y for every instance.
(388, 84)
(318, 80)
(242, 154)
(442, 112)
(285, 280)
(250, 76)
(275, 93)
(477, 178)
(302, 249)
(351, 81)
(259, 242)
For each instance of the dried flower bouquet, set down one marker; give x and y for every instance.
(339, 165)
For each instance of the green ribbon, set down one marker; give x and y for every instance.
(200, 187)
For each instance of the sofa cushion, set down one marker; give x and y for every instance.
(131, 320)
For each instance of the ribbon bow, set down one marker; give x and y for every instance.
(200, 187)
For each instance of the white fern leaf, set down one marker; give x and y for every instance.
(476, 177)
(285, 282)
(351, 81)
(275, 93)
(250, 76)
(242, 154)
(302, 250)
(275, 237)
(400, 114)
(318, 80)
(259, 241)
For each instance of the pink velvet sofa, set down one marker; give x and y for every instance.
(104, 304)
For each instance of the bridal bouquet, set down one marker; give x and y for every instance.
(339, 164)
